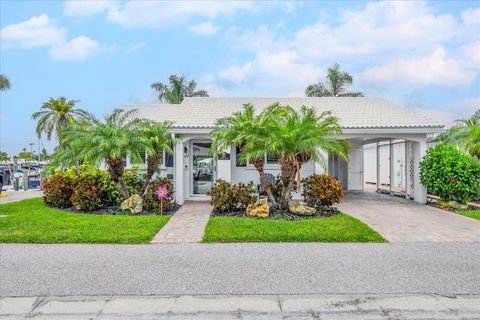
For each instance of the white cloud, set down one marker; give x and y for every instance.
(40, 31)
(36, 32)
(437, 69)
(236, 73)
(76, 49)
(135, 47)
(165, 13)
(206, 28)
(86, 8)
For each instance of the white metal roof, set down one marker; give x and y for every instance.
(352, 112)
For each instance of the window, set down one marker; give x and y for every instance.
(271, 159)
(168, 160)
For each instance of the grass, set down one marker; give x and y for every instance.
(474, 214)
(339, 228)
(30, 221)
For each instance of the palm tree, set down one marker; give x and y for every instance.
(4, 83)
(465, 134)
(107, 141)
(337, 81)
(56, 114)
(156, 140)
(297, 136)
(247, 131)
(177, 89)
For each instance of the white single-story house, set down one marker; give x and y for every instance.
(387, 139)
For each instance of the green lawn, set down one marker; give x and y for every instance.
(475, 214)
(339, 228)
(30, 221)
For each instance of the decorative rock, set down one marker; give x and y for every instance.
(134, 204)
(258, 209)
(300, 208)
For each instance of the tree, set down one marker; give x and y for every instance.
(44, 155)
(335, 86)
(26, 155)
(107, 141)
(465, 134)
(56, 114)
(4, 83)
(156, 139)
(298, 136)
(247, 131)
(4, 156)
(177, 89)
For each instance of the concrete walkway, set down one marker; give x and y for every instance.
(399, 220)
(13, 196)
(186, 225)
(270, 307)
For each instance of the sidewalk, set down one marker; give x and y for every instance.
(13, 196)
(243, 307)
(186, 225)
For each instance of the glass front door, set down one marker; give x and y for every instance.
(202, 167)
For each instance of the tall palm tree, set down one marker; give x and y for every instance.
(247, 131)
(4, 83)
(336, 84)
(298, 136)
(156, 140)
(107, 141)
(465, 134)
(56, 114)
(177, 89)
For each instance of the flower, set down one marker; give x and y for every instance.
(453, 180)
(162, 192)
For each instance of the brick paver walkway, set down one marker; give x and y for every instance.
(186, 225)
(399, 220)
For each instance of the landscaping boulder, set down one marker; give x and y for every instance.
(300, 208)
(258, 209)
(134, 204)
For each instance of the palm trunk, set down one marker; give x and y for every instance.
(152, 166)
(116, 169)
(288, 173)
(259, 166)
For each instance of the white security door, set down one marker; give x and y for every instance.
(355, 170)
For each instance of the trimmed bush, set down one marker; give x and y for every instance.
(133, 179)
(322, 191)
(150, 199)
(450, 174)
(58, 190)
(228, 198)
(86, 194)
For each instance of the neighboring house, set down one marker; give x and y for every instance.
(397, 135)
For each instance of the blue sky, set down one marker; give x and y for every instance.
(423, 55)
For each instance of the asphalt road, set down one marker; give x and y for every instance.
(225, 269)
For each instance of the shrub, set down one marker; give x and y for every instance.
(322, 191)
(58, 190)
(450, 174)
(228, 198)
(150, 199)
(133, 179)
(86, 195)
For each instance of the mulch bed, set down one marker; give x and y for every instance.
(117, 211)
(276, 214)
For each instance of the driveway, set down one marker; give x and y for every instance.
(401, 220)
(12, 196)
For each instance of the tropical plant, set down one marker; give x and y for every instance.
(177, 89)
(322, 191)
(450, 174)
(335, 86)
(4, 83)
(4, 156)
(298, 136)
(231, 198)
(57, 191)
(107, 141)
(157, 140)
(249, 132)
(56, 114)
(465, 134)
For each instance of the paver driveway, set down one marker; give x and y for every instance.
(398, 219)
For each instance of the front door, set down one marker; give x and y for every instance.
(355, 170)
(202, 167)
